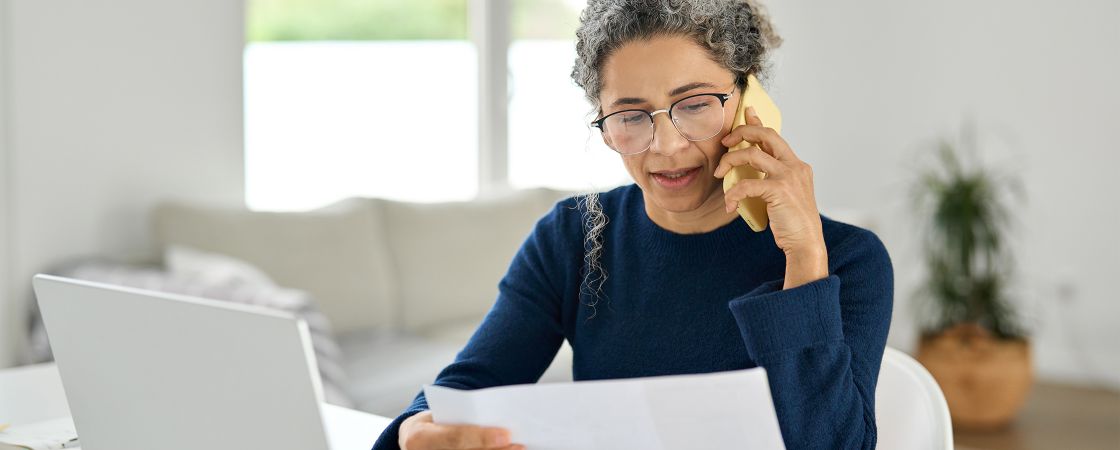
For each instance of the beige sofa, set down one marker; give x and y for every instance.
(404, 284)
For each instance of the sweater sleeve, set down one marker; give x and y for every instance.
(520, 335)
(822, 343)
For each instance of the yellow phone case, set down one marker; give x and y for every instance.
(752, 209)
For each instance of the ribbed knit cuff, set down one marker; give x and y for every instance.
(773, 321)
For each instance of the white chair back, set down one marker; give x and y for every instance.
(910, 409)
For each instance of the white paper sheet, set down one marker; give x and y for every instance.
(721, 410)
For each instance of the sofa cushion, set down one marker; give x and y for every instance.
(337, 254)
(388, 370)
(449, 257)
(217, 277)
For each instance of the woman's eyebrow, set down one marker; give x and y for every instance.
(674, 92)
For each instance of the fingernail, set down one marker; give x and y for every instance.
(750, 111)
(501, 439)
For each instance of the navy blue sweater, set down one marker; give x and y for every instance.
(691, 303)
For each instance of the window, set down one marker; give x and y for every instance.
(381, 99)
(550, 143)
(359, 99)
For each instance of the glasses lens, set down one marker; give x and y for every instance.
(631, 131)
(699, 117)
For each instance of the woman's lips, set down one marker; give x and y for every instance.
(675, 179)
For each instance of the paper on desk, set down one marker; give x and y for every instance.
(51, 434)
(718, 410)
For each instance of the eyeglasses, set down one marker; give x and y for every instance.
(695, 117)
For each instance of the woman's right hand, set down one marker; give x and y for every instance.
(420, 433)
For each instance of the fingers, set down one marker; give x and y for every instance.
(470, 436)
(764, 189)
(753, 156)
(509, 447)
(764, 137)
(754, 132)
(435, 436)
(752, 117)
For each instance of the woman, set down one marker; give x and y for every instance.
(662, 276)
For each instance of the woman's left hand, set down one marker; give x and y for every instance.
(787, 189)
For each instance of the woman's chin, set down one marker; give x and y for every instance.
(679, 202)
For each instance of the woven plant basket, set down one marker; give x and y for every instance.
(985, 380)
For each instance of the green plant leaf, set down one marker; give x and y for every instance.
(965, 218)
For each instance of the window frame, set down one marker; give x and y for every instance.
(489, 28)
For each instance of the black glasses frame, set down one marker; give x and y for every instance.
(721, 96)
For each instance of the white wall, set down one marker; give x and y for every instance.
(107, 105)
(111, 105)
(861, 84)
(5, 176)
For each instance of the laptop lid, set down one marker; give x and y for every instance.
(145, 369)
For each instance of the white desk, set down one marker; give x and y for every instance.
(34, 393)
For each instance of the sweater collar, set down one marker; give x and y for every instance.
(661, 240)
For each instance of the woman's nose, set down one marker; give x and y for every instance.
(666, 139)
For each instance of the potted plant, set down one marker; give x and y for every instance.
(971, 339)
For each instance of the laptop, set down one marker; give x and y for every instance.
(147, 370)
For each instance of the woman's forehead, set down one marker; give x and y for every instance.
(650, 69)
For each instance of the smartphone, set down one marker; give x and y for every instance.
(752, 209)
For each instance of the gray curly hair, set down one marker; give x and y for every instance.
(736, 33)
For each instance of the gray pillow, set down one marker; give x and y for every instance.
(218, 277)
